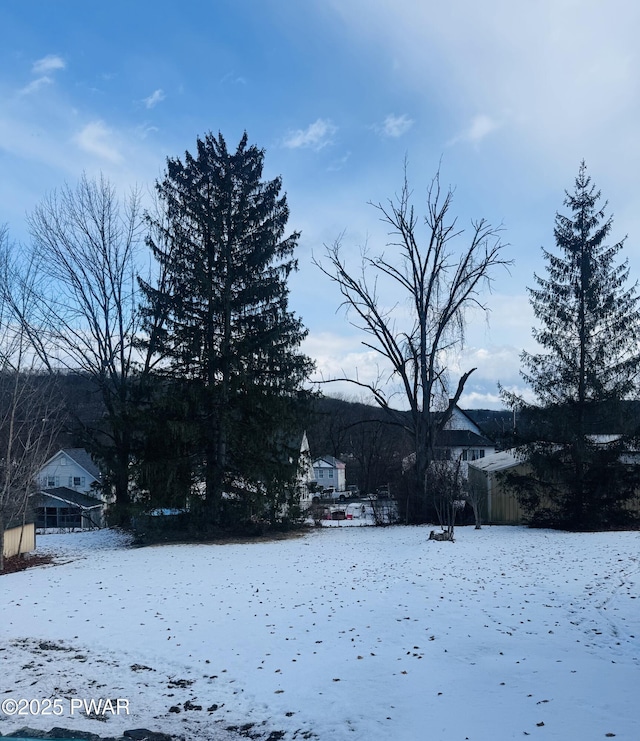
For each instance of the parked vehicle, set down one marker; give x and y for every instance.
(358, 510)
(332, 494)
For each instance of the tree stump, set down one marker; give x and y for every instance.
(444, 535)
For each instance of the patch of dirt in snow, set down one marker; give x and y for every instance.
(26, 561)
(168, 700)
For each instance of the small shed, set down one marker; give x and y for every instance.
(19, 538)
(66, 509)
(498, 504)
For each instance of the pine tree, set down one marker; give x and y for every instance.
(589, 331)
(219, 316)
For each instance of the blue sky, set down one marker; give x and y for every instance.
(508, 96)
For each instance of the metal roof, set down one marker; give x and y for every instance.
(496, 461)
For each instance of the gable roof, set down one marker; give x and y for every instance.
(474, 425)
(330, 461)
(81, 458)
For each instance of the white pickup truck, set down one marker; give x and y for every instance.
(337, 496)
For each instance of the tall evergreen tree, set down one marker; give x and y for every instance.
(219, 315)
(590, 332)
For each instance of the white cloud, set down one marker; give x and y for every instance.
(97, 139)
(35, 85)
(479, 128)
(530, 61)
(340, 357)
(339, 163)
(395, 126)
(316, 136)
(50, 63)
(499, 362)
(343, 356)
(481, 400)
(157, 96)
(43, 68)
(144, 130)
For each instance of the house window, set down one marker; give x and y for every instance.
(472, 454)
(331, 473)
(46, 517)
(69, 517)
(76, 480)
(53, 481)
(63, 461)
(320, 473)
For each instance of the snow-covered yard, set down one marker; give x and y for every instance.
(344, 633)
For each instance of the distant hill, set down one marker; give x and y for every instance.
(373, 448)
(497, 424)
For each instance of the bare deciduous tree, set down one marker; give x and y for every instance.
(477, 497)
(447, 486)
(30, 408)
(438, 284)
(85, 242)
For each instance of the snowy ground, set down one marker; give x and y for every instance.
(342, 634)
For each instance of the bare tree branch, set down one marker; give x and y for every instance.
(439, 282)
(84, 248)
(30, 407)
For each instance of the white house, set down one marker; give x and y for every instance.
(305, 473)
(460, 440)
(72, 468)
(68, 498)
(329, 471)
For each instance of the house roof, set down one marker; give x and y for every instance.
(462, 439)
(330, 461)
(475, 424)
(81, 458)
(496, 461)
(467, 417)
(70, 497)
